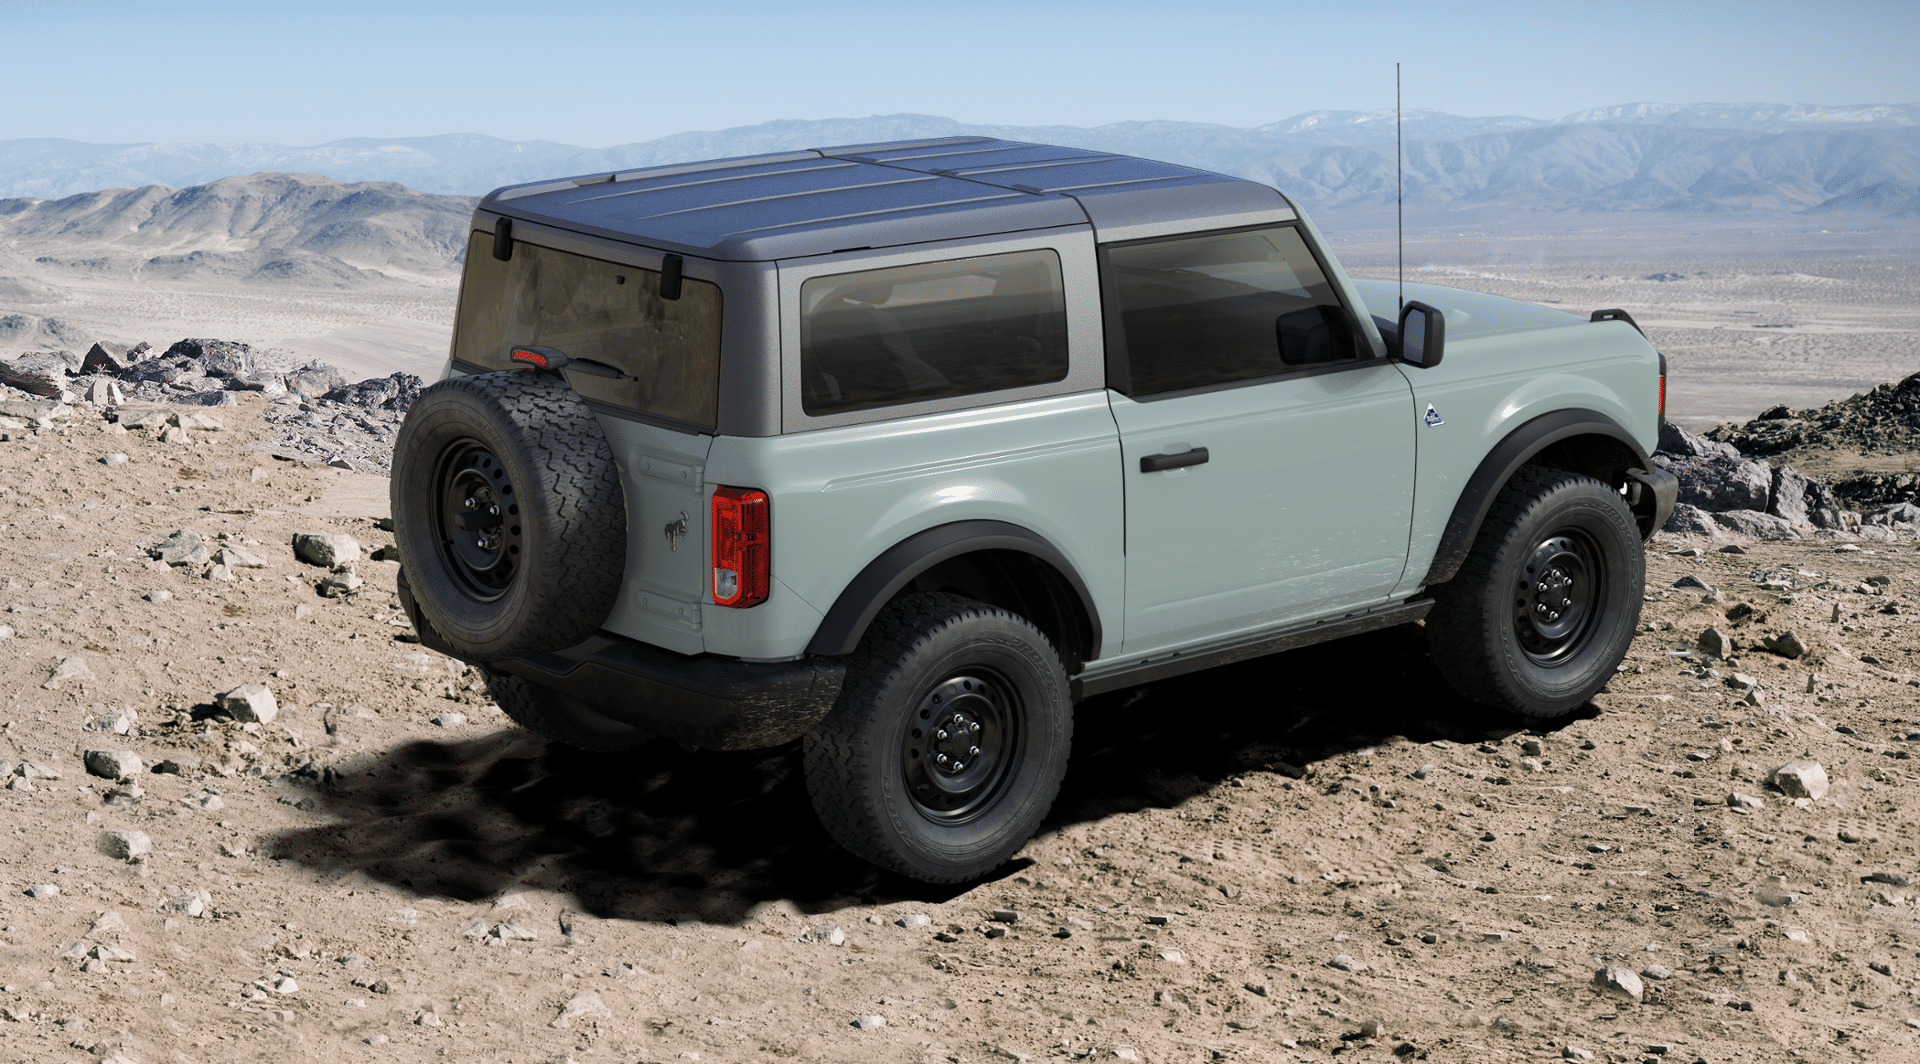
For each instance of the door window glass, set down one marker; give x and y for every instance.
(932, 330)
(1193, 312)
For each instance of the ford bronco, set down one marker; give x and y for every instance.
(902, 450)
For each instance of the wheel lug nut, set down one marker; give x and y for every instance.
(940, 759)
(941, 734)
(973, 751)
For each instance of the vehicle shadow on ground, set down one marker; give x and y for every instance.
(658, 832)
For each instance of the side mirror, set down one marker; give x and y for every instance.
(1423, 334)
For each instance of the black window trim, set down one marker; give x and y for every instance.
(1119, 370)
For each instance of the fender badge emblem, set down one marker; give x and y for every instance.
(1433, 417)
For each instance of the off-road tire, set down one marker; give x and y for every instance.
(559, 717)
(527, 444)
(927, 660)
(1499, 631)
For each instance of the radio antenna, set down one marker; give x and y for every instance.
(1399, 188)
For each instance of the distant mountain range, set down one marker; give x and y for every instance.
(298, 229)
(1633, 157)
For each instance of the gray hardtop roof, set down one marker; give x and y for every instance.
(822, 200)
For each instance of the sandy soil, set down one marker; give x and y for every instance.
(1324, 853)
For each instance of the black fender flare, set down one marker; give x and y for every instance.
(898, 565)
(1498, 467)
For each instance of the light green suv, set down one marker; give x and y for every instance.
(905, 449)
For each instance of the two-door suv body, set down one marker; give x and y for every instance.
(906, 448)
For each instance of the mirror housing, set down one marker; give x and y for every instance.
(1423, 334)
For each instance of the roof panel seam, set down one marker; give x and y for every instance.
(712, 181)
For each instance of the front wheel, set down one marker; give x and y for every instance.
(1544, 608)
(949, 740)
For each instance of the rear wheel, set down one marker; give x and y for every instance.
(948, 743)
(1544, 608)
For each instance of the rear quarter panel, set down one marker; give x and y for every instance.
(1507, 362)
(839, 497)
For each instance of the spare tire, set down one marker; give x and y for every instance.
(509, 515)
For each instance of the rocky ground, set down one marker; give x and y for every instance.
(1324, 854)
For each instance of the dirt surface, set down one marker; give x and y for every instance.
(1318, 855)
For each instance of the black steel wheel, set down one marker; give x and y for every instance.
(1545, 606)
(949, 740)
(509, 514)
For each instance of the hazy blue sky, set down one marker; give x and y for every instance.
(596, 74)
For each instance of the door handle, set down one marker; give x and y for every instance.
(1153, 463)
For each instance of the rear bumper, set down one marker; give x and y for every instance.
(708, 701)
(1653, 493)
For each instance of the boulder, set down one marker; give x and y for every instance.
(105, 357)
(249, 702)
(1690, 521)
(396, 392)
(1678, 442)
(1754, 523)
(40, 372)
(1617, 982)
(217, 358)
(125, 844)
(113, 764)
(1717, 483)
(328, 549)
(1900, 513)
(314, 379)
(1800, 779)
(1802, 501)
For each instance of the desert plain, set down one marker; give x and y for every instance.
(1324, 855)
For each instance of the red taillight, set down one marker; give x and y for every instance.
(742, 547)
(1663, 396)
(521, 354)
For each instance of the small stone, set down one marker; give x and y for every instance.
(1533, 748)
(1801, 779)
(235, 558)
(1656, 972)
(1745, 801)
(512, 933)
(586, 1005)
(1771, 891)
(1618, 982)
(1346, 963)
(113, 459)
(450, 720)
(475, 929)
(1004, 916)
(1424, 771)
(1575, 1053)
(1159, 919)
(126, 844)
(249, 702)
(912, 920)
(1495, 936)
(1692, 581)
(1740, 681)
(326, 549)
(43, 890)
(340, 583)
(1712, 644)
(180, 551)
(113, 764)
(1786, 644)
(72, 668)
(866, 1023)
(160, 595)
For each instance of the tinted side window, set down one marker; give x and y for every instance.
(931, 331)
(668, 350)
(1197, 311)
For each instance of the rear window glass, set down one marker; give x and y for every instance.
(1201, 311)
(667, 350)
(931, 331)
